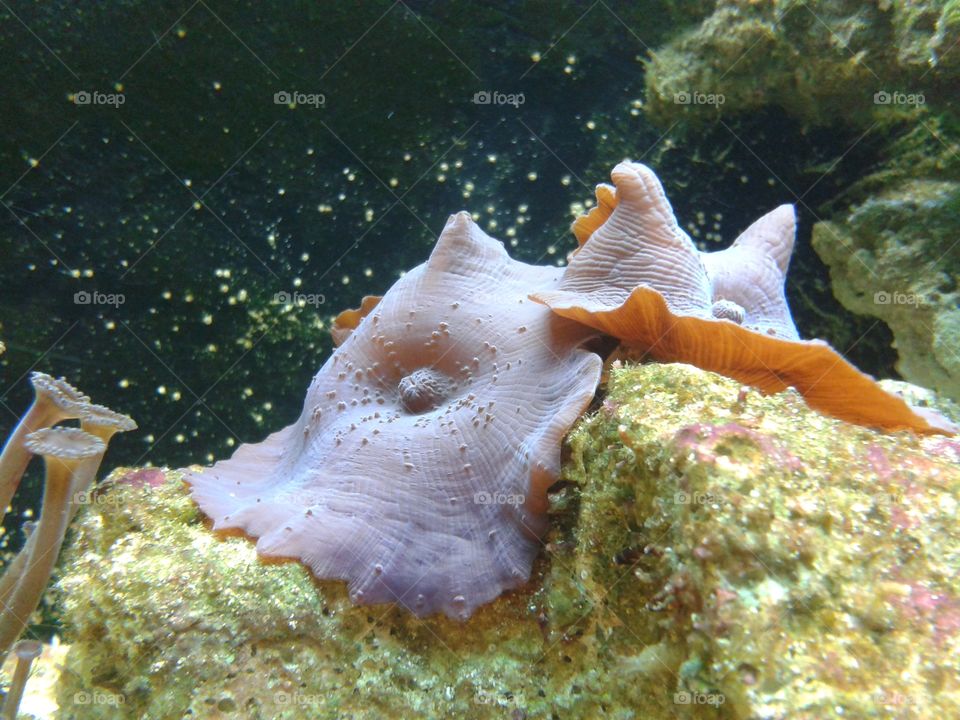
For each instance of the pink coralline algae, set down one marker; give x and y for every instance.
(709, 442)
(938, 609)
(879, 462)
(946, 448)
(143, 477)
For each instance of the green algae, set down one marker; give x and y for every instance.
(713, 553)
(890, 257)
(822, 62)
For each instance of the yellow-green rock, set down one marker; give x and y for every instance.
(713, 554)
(893, 256)
(822, 61)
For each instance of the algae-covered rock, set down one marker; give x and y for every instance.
(823, 62)
(893, 256)
(713, 554)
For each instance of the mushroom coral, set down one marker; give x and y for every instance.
(346, 322)
(638, 277)
(419, 467)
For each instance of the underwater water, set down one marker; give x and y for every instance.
(193, 191)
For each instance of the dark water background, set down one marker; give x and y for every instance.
(200, 198)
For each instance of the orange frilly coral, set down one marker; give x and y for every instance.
(346, 322)
(638, 277)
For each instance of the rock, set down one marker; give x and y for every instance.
(893, 257)
(814, 59)
(713, 553)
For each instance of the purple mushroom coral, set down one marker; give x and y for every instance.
(419, 466)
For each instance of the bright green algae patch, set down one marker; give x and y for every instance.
(713, 553)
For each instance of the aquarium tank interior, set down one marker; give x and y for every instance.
(533, 360)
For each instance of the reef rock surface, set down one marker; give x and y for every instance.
(894, 256)
(822, 61)
(712, 553)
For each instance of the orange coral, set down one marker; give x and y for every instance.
(641, 280)
(827, 382)
(585, 225)
(346, 322)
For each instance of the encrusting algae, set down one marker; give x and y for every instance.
(712, 553)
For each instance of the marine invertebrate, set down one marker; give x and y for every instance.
(26, 651)
(70, 455)
(637, 276)
(55, 400)
(347, 321)
(418, 468)
(103, 423)
(97, 420)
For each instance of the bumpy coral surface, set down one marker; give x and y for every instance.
(714, 553)
(817, 60)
